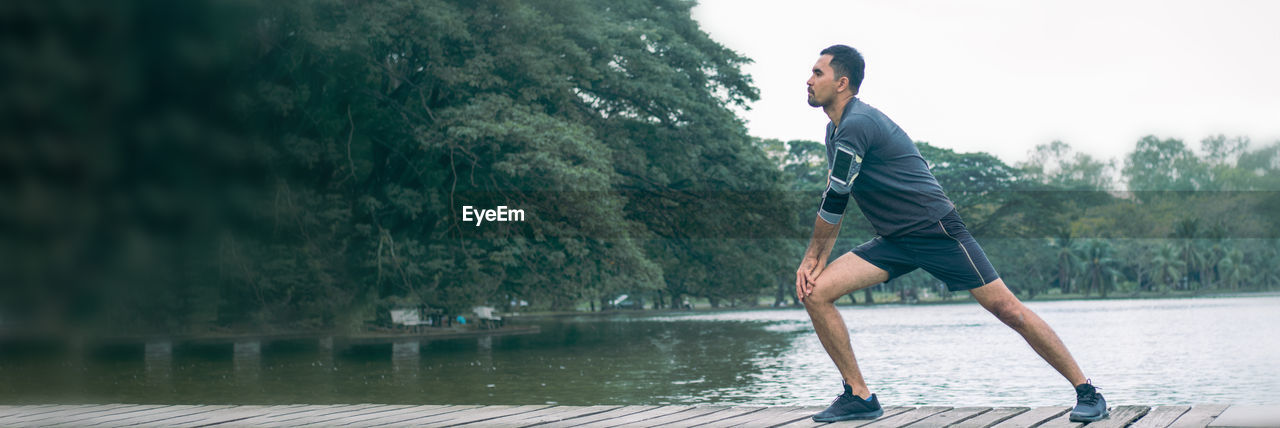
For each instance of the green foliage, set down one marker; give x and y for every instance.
(191, 166)
(348, 137)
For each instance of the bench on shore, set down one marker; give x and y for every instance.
(488, 316)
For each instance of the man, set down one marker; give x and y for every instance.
(874, 161)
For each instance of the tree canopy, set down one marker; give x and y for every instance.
(200, 165)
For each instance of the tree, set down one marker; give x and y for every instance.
(1167, 267)
(1220, 157)
(1054, 164)
(1163, 165)
(1066, 261)
(309, 161)
(1233, 270)
(977, 183)
(1099, 265)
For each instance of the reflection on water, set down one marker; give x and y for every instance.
(1138, 351)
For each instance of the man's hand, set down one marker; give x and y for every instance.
(815, 258)
(807, 276)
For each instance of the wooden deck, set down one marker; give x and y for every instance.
(379, 415)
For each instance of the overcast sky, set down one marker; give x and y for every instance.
(1003, 76)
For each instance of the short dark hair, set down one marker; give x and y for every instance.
(847, 62)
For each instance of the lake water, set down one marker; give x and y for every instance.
(1175, 351)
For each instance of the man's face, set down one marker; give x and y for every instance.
(822, 83)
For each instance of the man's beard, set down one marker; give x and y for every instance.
(813, 102)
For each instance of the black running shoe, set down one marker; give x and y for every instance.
(1090, 406)
(848, 407)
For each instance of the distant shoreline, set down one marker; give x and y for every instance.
(843, 302)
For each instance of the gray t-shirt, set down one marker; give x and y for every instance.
(893, 187)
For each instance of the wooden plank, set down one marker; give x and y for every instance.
(106, 418)
(479, 414)
(302, 413)
(373, 418)
(283, 413)
(159, 415)
(325, 414)
(1118, 417)
(615, 413)
(766, 413)
(889, 412)
(679, 419)
(229, 415)
(1248, 417)
(995, 416)
(348, 417)
(1063, 421)
(51, 416)
(474, 413)
(1160, 417)
(550, 414)
(721, 415)
(195, 415)
(122, 413)
(393, 419)
(23, 411)
(768, 417)
(8, 408)
(949, 417)
(141, 416)
(906, 418)
(1033, 417)
(1199, 416)
(234, 414)
(515, 420)
(32, 415)
(1121, 416)
(103, 418)
(637, 418)
(83, 412)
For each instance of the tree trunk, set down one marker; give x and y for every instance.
(1063, 280)
(1103, 290)
(780, 296)
(866, 294)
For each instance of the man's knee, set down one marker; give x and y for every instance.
(1011, 312)
(821, 296)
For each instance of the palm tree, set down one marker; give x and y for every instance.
(1187, 230)
(1267, 273)
(1233, 270)
(1207, 260)
(1066, 262)
(1167, 266)
(1099, 265)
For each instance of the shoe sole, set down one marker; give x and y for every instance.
(1105, 414)
(850, 417)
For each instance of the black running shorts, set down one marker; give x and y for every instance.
(945, 249)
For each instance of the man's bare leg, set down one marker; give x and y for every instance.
(997, 299)
(847, 274)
